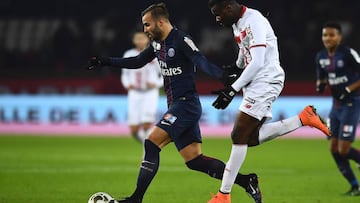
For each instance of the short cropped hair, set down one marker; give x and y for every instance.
(157, 11)
(334, 25)
(212, 3)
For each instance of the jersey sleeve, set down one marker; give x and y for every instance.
(256, 32)
(257, 62)
(320, 72)
(355, 60)
(134, 62)
(192, 52)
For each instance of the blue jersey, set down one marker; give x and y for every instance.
(178, 57)
(340, 70)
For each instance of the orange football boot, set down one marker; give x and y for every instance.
(220, 198)
(309, 117)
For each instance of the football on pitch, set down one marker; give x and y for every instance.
(100, 197)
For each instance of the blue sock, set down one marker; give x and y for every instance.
(354, 154)
(148, 170)
(345, 169)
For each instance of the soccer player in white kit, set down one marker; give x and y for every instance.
(262, 81)
(143, 90)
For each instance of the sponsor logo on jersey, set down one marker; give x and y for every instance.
(333, 80)
(324, 62)
(171, 71)
(250, 100)
(162, 64)
(171, 52)
(165, 71)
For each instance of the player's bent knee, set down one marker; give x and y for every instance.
(253, 141)
(343, 151)
(239, 137)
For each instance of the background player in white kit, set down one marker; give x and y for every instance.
(143, 90)
(261, 82)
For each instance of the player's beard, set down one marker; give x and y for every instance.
(156, 34)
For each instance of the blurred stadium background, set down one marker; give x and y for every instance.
(45, 45)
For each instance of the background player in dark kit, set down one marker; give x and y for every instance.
(338, 66)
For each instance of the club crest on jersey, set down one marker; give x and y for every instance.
(248, 106)
(171, 52)
(340, 63)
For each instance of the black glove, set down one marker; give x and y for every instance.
(231, 74)
(225, 96)
(96, 61)
(320, 88)
(341, 94)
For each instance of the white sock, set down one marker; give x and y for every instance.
(146, 133)
(237, 157)
(141, 135)
(273, 130)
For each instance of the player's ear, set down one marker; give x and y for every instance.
(340, 38)
(160, 22)
(228, 9)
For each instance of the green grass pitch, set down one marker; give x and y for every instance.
(70, 169)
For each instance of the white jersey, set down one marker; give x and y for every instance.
(253, 30)
(263, 78)
(139, 78)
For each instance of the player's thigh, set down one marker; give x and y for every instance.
(349, 117)
(254, 137)
(244, 127)
(191, 151)
(159, 137)
(335, 122)
(344, 147)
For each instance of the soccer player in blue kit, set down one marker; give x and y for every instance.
(338, 66)
(178, 57)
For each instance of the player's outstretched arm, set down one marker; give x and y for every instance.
(192, 52)
(138, 61)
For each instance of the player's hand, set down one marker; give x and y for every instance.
(320, 87)
(342, 93)
(96, 61)
(225, 96)
(231, 74)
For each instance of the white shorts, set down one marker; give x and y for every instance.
(142, 106)
(258, 97)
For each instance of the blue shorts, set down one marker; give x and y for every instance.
(181, 121)
(344, 119)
